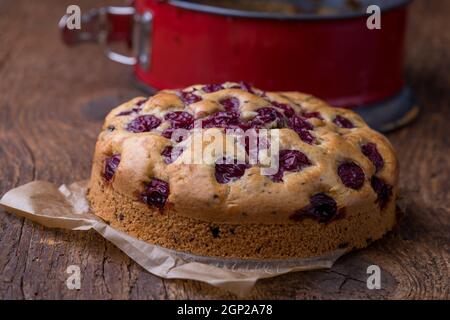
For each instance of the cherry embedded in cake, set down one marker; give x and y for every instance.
(226, 172)
(302, 127)
(170, 154)
(383, 191)
(209, 88)
(312, 114)
(352, 176)
(144, 123)
(230, 104)
(333, 181)
(343, 122)
(189, 97)
(222, 119)
(111, 164)
(290, 161)
(267, 116)
(321, 207)
(370, 151)
(156, 193)
(287, 109)
(167, 154)
(243, 86)
(178, 120)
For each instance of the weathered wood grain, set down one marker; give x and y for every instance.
(52, 102)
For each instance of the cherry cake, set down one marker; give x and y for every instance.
(335, 186)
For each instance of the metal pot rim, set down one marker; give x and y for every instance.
(279, 16)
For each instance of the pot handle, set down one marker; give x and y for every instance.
(110, 24)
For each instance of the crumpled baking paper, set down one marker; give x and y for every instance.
(66, 207)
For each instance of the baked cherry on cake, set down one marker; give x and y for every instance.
(335, 187)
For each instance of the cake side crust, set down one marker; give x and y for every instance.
(359, 226)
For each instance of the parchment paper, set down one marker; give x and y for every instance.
(66, 207)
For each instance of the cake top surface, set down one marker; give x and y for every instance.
(326, 158)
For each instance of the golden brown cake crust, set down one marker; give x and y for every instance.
(253, 216)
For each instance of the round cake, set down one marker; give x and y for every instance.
(333, 186)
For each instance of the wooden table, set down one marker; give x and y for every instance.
(53, 100)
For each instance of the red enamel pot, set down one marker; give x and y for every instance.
(335, 57)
